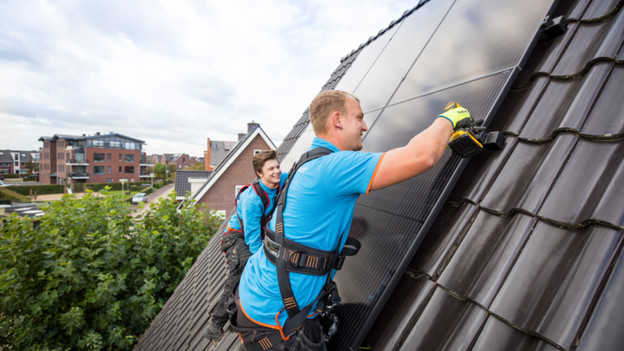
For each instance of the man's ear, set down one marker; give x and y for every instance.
(259, 174)
(335, 120)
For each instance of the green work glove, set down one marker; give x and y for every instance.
(457, 115)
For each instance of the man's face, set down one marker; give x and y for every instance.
(271, 173)
(353, 125)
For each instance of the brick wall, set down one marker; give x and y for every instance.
(114, 164)
(221, 194)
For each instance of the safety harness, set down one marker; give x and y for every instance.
(290, 256)
(264, 197)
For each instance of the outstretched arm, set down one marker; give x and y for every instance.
(421, 153)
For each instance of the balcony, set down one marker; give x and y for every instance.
(77, 163)
(77, 175)
(146, 175)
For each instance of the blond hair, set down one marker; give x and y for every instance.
(324, 104)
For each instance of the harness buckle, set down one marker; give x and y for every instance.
(339, 262)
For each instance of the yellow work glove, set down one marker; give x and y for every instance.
(457, 115)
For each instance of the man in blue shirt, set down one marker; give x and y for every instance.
(319, 210)
(245, 230)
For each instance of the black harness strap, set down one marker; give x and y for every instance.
(265, 201)
(289, 256)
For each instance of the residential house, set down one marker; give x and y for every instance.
(515, 249)
(233, 172)
(99, 158)
(20, 162)
(217, 151)
(190, 181)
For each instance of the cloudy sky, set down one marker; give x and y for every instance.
(171, 73)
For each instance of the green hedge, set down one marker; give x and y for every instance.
(10, 195)
(38, 189)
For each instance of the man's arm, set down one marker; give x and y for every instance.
(418, 156)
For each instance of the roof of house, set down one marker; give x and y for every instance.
(219, 150)
(514, 249)
(25, 155)
(182, 184)
(232, 156)
(85, 137)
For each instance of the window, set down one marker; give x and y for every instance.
(98, 157)
(108, 157)
(129, 158)
(120, 158)
(120, 169)
(130, 145)
(60, 156)
(129, 169)
(61, 169)
(98, 169)
(115, 144)
(237, 189)
(98, 143)
(108, 169)
(257, 151)
(109, 180)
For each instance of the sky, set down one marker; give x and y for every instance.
(172, 73)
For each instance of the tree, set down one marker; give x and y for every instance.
(90, 276)
(159, 170)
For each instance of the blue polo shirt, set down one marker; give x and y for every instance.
(251, 209)
(319, 208)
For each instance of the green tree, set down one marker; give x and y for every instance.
(159, 170)
(90, 276)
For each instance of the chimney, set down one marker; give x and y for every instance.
(251, 126)
(241, 136)
(207, 157)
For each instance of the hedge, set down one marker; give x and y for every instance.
(10, 195)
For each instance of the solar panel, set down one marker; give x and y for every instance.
(464, 50)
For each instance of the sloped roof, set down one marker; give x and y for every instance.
(233, 155)
(526, 252)
(182, 184)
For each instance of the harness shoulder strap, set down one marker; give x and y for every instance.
(295, 315)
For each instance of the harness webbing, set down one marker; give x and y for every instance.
(295, 316)
(265, 201)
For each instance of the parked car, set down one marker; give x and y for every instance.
(32, 177)
(140, 197)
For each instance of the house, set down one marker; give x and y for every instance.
(233, 172)
(20, 162)
(180, 160)
(217, 151)
(189, 181)
(99, 158)
(516, 249)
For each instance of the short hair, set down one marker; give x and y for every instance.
(324, 104)
(258, 160)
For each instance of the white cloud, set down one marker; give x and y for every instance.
(171, 73)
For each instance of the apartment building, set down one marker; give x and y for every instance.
(99, 158)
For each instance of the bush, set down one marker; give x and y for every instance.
(10, 195)
(90, 276)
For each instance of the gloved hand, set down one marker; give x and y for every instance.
(457, 115)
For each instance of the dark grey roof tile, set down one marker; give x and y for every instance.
(589, 186)
(604, 331)
(408, 299)
(482, 261)
(497, 335)
(446, 323)
(433, 254)
(554, 280)
(606, 116)
(524, 180)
